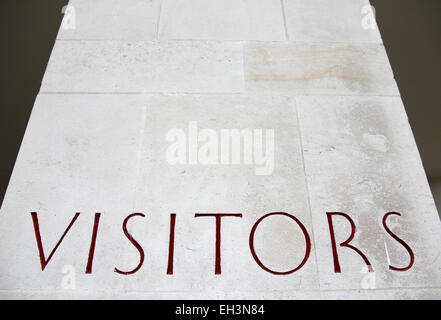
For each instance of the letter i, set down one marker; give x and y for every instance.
(171, 245)
(93, 242)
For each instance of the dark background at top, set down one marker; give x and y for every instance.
(410, 30)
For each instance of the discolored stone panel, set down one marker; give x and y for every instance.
(318, 69)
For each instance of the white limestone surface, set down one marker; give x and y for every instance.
(343, 21)
(187, 189)
(129, 120)
(137, 67)
(390, 294)
(361, 159)
(222, 20)
(106, 19)
(78, 155)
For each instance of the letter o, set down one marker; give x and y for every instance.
(305, 233)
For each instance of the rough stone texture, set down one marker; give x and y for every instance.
(222, 20)
(186, 189)
(115, 66)
(78, 155)
(361, 159)
(96, 142)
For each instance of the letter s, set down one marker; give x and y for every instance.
(135, 243)
(404, 244)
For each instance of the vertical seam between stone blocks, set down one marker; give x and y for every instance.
(139, 153)
(244, 84)
(284, 19)
(159, 19)
(137, 173)
(307, 191)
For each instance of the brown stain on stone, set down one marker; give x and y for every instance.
(302, 61)
(337, 72)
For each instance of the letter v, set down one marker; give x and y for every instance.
(43, 260)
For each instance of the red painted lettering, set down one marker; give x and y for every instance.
(135, 243)
(337, 268)
(307, 240)
(404, 244)
(171, 243)
(93, 242)
(43, 260)
(218, 216)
